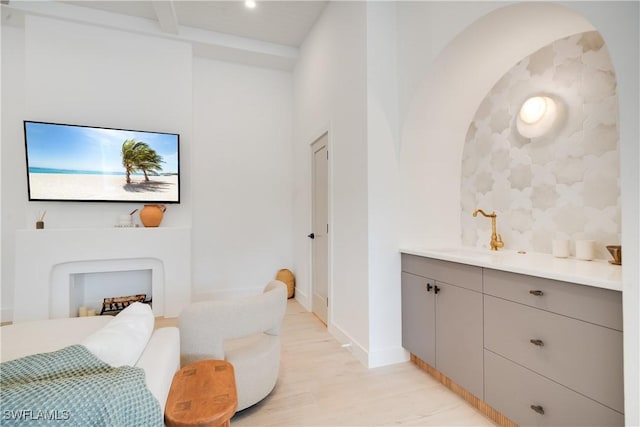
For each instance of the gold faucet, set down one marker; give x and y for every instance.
(496, 239)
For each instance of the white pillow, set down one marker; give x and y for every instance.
(122, 340)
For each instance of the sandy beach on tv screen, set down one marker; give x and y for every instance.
(102, 187)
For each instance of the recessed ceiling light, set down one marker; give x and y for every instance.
(250, 4)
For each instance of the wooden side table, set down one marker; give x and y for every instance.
(202, 394)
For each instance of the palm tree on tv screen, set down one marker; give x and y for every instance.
(149, 161)
(138, 156)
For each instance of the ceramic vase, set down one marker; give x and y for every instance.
(151, 215)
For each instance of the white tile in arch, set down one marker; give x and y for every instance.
(564, 184)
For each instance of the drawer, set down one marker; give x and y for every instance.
(463, 275)
(591, 304)
(582, 356)
(512, 390)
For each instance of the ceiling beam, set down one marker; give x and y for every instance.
(209, 44)
(166, 14)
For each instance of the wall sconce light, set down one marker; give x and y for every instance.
(537, 116)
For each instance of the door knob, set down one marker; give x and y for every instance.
(429, 287)
(311, 236)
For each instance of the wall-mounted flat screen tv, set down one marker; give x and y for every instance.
(95, 164)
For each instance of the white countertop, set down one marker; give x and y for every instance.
(597, 273)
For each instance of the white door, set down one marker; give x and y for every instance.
(319, 233)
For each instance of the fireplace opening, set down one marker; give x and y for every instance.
(88, 290)
(87, 283)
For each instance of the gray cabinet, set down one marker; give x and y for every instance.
(459, 336)
(442, 318)
(553, 351)
(530, 399)
(463, 275)
(419, 317)
(582, 356)
(588, 303)
(540, 351)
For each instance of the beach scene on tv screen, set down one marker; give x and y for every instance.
(83, 163)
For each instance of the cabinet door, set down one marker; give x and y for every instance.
(418, 317)
(459, 346)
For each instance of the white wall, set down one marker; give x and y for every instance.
(235, 124)
(14, 186)
(330, 95)
(70, 73)
(2, 312)
(242, 204)
(439, 100)
(87, 75)
(424, 29)
(618, 22)
(385, 332)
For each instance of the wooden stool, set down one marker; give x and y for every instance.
(202, 394)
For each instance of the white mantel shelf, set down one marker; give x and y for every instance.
(597, 273)
(40, 253)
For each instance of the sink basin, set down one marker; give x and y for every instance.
(472, 253)
(466, 251)
(480, 254)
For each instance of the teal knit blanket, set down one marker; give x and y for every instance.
(72, 387)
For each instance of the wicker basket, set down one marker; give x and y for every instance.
(287, 277)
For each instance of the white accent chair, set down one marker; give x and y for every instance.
(243, 331)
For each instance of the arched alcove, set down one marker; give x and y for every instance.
(446, 101)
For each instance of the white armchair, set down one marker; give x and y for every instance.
(245, 332)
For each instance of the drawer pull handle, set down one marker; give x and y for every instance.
(429, 287)
(539, 343)
(436, 289)
(536, 293)
(539, 409)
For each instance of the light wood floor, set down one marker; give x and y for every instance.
(322, 384)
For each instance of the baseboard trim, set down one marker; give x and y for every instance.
(387, 356)
(477, 403)
(6, 315)
(302, 299)
(356, 349)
